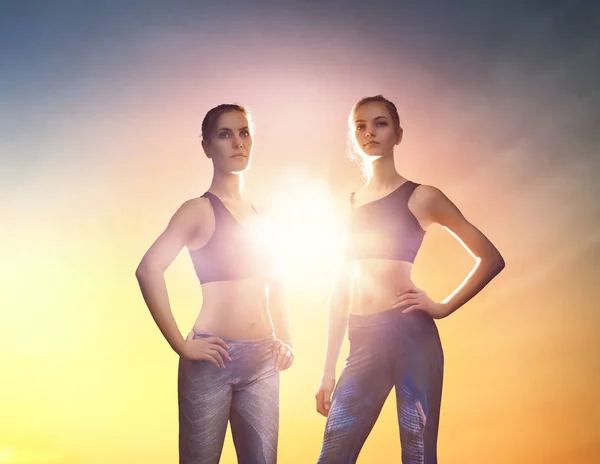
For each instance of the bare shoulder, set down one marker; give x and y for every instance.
(192, 211)
(427, 203)
(194, 219)
(426, 195)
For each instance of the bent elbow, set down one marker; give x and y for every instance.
(501, 264)
(497, 263)
(140, 271)
(145, 269)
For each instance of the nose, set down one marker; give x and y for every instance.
(237, 142)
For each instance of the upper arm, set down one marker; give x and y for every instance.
(431, 206)
(342, 283)
(342, 278)
(184, 226)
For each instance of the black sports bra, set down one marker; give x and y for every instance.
(385, 228)
(233, 252)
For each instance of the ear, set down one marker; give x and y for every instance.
(399, 137)
(205, 148)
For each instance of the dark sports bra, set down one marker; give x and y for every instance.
(232, 252)
(385, 228)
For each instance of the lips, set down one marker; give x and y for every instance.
(370, 144)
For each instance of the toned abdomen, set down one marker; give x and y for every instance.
(376, 282)
(235, 309)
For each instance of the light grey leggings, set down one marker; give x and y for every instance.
(245, 393)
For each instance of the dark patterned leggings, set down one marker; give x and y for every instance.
(245, 393)
(387, 349)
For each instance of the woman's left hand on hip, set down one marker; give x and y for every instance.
(415, 299)
(284, 355)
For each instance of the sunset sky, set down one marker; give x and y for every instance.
(100, 111)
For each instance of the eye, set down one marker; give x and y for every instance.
(360, 127)
(381, 124)
(245, 133)
(224, 135)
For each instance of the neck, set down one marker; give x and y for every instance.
(384, 173)
(227, 185)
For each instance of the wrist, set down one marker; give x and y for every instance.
(445, 309)
(179, 346)
(328, 374)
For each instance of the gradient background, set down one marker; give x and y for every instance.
(100, 112)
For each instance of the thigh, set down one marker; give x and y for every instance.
(418, 380)
(356, 404)
(204, 399)
(255, 420)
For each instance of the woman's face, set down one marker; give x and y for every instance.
(230, 144)
(374, 132)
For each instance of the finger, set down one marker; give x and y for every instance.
(408, 290)
(277, 361)
(288, 360)
(209, 358)
(276, 346)
(412, 308)
(405, 297)
(320, 406)
(327, 399)
(218, 340)
(215, 354)
(221, 350)
(281, 357)
(404, 301)
(320, 409)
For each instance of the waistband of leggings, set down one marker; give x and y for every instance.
(388, 316)
(235, 341)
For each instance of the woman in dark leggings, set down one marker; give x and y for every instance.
(229, 363)
(393, 337)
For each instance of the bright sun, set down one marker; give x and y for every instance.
(302, 227)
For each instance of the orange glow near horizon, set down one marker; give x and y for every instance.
(100, 361)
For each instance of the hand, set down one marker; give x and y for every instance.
(211, 349)
(284, 355)
(323, 395)
(415, 299)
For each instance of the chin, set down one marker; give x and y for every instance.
(238, 164)
(376, 152)
(240, 169)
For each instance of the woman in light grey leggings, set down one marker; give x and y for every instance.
(245, 393)
(230, 362)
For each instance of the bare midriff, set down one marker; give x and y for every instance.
(235, 309)
(376, 282)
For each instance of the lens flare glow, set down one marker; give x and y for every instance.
(304, 226)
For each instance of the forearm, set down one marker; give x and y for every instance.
(337, 322)
(483, 272)
(154, 290)
(278, 308)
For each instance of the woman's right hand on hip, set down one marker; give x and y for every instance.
(323, 395)
(211, 349)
